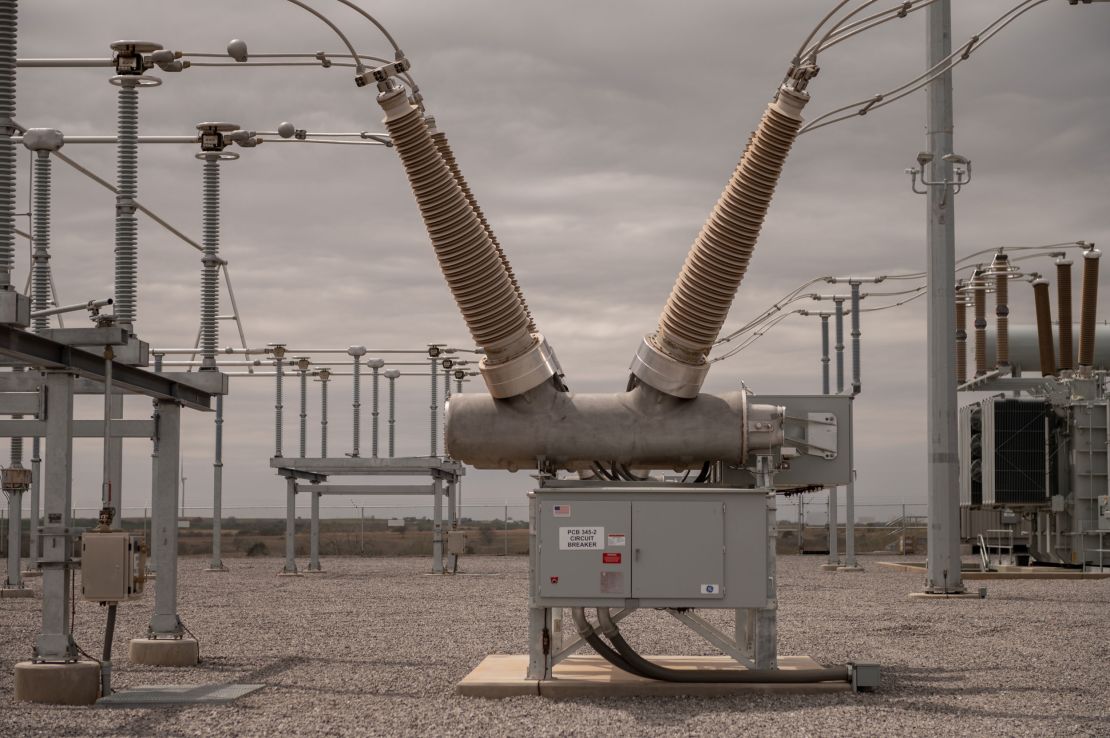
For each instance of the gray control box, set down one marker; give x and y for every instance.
(650, 546)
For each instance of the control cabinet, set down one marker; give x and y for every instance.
(659, 546)
(112, 566)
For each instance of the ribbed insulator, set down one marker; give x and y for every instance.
(279, 406)
(448, 155)
(127, 182)
(1043, 304)
(323, 419)
(356, 406)
(1002, 313)
(961, 339)
(1066, 357)
(392, 412)
(434, 408)
(718, 260)
(1088, 304)
(17, 452)
(40, 256)
(8, 19)
(980, 326)
(374, 412)
(469, 261)
(210, 275)
(304, 414)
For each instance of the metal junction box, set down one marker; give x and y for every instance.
(112, 565)
(675, 545)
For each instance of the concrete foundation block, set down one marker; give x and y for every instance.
(76, 683)
(219, 568)
(854, 569)
(290, 574)
(16, 592)
(164, 651)
(829, 567)
(313, 571)
(31, 574)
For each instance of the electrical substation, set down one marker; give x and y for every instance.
(652, 577)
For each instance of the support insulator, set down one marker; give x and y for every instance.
(839, 347)
(8, 22)
(1066, 356)
(279, 405)
(40, 256)
(1001, 272)
(961, 335)
(824, 354)
(210, 280)
(1088, 306)
(323, 417)
(718, 260)
(125, 304)
(979, 290)
(1044, 327)
(434, 407)
(392, 375)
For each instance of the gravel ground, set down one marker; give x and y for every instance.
(374, 647)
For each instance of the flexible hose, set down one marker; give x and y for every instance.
(980, 291)
(1044, 327)
(127, 182)
(718, 260)
(469, 261)
(8, 22)
(1063, 300)
(1001, 268)
(961, 338)
(448, 155)
(40, 257)
(649, 669)
(209, 284)
(1088, 304)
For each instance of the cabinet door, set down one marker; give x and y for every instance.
(678, 550)
(583, 549)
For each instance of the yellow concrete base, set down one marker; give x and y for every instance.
(591, 676)
(22, 592)
(1007, 572)
(164, 651)
(76, 683)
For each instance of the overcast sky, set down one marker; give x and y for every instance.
(597, 138)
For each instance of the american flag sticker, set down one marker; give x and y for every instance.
(560, 511)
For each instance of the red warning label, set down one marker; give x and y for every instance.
(610, 558)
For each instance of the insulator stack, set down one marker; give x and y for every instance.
(980, 293)
(961, 336)
(1044, 327)
(8, 15)
(469, 260)
(210, 275)
(701, 298)
(1088, 305)
(40, 257)
(1001, 270)
(1063, 299)
(127, 227)
(448, 155)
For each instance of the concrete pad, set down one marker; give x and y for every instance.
(290, 574)
(164, 651)
(76, 683)
(829, 567)
(178, 694)
(857, 569)
(217, 568)
(31, 573)
(12, 592)
(1008, 572)
(313, 571)
(591, 676)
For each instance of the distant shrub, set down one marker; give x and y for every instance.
(258, 548)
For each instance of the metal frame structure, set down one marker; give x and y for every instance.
(311, 475)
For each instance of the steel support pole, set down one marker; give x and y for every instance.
(217, 563)
(115, 463)
(943, 569)
(290, 526)
(314, 534)
(437, 526)
(834, 527)
(36, 484)
(54, 642)
(165, 623)
(452, 524)
(539, 618)
(15, 540)
(850, 508)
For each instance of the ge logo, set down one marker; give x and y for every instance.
(709, 589)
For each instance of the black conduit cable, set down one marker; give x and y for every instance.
(714, 676)
(589, 635)
(703, 476)
(106, 663)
